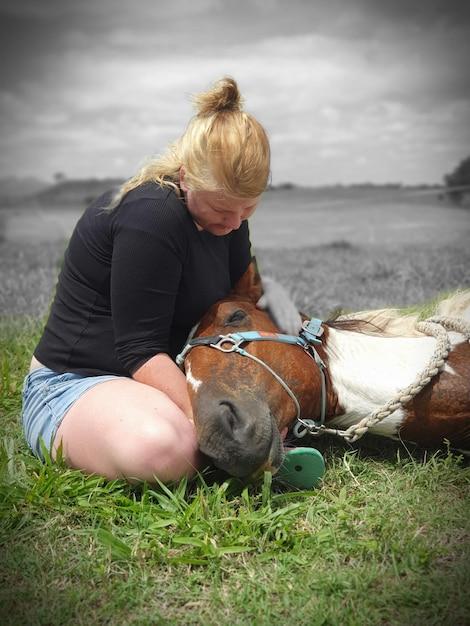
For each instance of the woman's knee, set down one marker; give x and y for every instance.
(165, 448)
(125, 429)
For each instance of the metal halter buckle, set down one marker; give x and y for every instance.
(234, 343)
(304, 426)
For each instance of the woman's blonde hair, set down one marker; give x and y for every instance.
(223, 149)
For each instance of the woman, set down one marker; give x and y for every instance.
(139, 271)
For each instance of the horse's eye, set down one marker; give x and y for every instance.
(235, 318)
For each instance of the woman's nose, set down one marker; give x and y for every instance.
(233, 221)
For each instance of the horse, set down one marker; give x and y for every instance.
(249, 385)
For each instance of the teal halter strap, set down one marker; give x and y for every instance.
(309, 335)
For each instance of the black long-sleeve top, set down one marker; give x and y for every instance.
(134, 281)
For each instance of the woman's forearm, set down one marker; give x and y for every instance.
(162, 373)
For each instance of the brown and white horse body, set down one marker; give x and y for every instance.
(366, 371)
(242, 412)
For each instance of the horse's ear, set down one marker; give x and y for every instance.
(249, 285)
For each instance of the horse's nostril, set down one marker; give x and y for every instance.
(232, 420)
(229, 414)
(240, 436)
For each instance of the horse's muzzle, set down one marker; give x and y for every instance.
(240, 436)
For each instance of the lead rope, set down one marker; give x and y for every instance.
(434, 326)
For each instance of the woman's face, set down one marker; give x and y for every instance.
(217, 212)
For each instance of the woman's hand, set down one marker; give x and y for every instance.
(279, 302)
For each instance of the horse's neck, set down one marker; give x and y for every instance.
(366, 371)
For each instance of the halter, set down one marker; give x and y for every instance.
(308, 336)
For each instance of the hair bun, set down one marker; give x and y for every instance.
(224, 96)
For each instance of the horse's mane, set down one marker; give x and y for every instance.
(457, 305)
(394, 323)
(387, 322)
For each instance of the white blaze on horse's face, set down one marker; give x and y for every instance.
(194, 382)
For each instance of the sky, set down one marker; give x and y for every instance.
(349, 91)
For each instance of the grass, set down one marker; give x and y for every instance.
(384, 540)
(344, 276)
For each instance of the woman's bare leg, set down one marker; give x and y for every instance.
(125, 429)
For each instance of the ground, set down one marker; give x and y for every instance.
(384, 540)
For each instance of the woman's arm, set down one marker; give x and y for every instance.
(162, 373)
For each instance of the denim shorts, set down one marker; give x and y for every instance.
(47, 396)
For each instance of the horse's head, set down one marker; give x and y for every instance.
(241, 410)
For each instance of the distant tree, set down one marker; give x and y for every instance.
(460, 177)
(59, 177)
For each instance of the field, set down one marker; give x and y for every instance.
(385, 540)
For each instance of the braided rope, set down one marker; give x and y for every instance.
(457, 324)
(435, 327)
